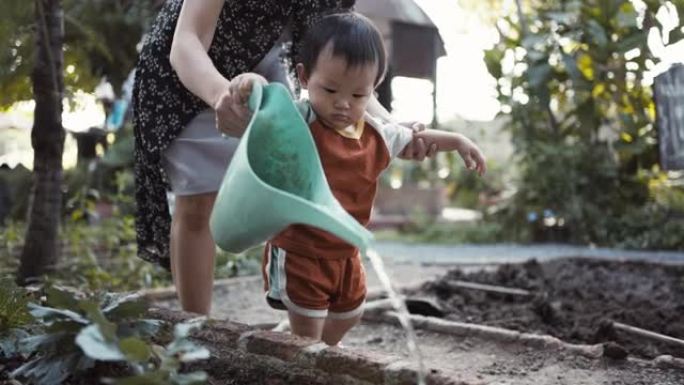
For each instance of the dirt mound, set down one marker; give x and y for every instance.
(574, 299)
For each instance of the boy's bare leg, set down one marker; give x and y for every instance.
(306, 326)
(335, 329)
(193, 252)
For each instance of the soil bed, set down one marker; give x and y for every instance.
(574, 299)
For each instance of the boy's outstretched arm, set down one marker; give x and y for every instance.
(415, 150)
(451, 141)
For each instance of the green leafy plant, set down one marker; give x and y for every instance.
(160, 365)
(13, 305)
(53, 353)
(14, 316)
(78, 332)
(571, 76)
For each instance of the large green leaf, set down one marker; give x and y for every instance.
(10, 342)
(571, 67)
(51, 313)
(636, 40)
(598, 33)
(125, 306)
(47, 370)
(492, 60)
(61, 298)
(106, 327)
(96, 346)
(135, 349)
(538, 74)
(31, 344)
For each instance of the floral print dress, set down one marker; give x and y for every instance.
(245, 32)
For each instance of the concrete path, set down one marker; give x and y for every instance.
(409, 265)
(398, 253)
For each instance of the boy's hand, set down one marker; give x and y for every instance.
(232, 112)
(472, 156)
(417, 149)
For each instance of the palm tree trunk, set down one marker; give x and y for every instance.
(40, 250)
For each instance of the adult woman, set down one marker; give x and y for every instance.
(181, 96)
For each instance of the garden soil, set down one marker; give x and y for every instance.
(573, 299)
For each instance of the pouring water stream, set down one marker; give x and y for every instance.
(403, 314)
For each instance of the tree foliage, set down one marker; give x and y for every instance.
(100, 39)
(571, 75)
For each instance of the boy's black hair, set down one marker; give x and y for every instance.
(353, 37)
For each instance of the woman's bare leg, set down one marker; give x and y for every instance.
(193, 251)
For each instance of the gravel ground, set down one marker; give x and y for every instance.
(465, 358)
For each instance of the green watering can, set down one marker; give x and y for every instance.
(275, 179)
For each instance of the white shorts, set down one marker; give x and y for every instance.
(197, 159)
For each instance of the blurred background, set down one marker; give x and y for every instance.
(578, 106)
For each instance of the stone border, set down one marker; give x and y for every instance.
(252, 355)
(491, 333)
(379, 313)
(243, 354)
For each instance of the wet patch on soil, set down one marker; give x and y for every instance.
(574, 299)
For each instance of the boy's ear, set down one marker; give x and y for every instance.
(302, 75)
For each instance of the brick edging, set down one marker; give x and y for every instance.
(492, 333)
(323, 364)
(242, 348)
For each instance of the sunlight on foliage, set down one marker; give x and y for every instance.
(584, 131)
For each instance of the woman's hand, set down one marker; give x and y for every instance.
(417, 149)
(232, 111)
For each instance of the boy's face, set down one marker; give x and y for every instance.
(338, 94)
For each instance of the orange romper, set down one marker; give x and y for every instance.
(311, 271)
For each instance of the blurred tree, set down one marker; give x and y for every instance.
(571, 74)
(47, 138)
(88, 38)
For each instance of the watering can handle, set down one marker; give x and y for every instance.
(255, 97)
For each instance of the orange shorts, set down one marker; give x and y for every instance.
(314, 287)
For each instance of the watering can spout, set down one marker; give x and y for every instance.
(276, 179)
